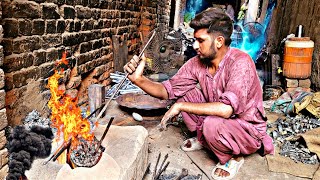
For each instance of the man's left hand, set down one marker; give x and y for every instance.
(172, 112)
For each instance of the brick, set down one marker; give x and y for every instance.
(292, 83)
(97, 44)
(122, 30)
(2, 100)
(83, 58)
(39, 57)
(85, 2)
(70, 25)
(305, 83)
(4, 172)
(94, 3)
(83, 12)
(61, 26)
(294, 89)
(50, 11)
(1, 55)
(3, 139)
(25, 27)
(22, 9)
(115, 23)
(104, 76)
(4, 157)
(100, 70)
(70, 2)
(74, 82)
(51, 26)
(60, 2)
(46, 70)
(70, 39)
(77, 26)
(96, 13)
(38, 27)
(26, 44)
(22, 77)
(11, 28)
(17, 61)
(3, 119)
(107, 23)
(52, 55)
(68, 12)
(85, 47)
(51, 40)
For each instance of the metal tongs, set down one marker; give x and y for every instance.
(123, 80)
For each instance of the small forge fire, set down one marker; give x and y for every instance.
(75, 131)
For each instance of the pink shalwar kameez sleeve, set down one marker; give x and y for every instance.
(234, 83)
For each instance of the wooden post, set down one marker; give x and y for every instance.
(275, 64)
(96, 93)
(120, 52)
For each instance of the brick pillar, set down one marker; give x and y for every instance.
(3, 117)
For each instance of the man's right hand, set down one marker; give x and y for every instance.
(135, 67)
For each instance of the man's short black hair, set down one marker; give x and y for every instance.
(216, 21)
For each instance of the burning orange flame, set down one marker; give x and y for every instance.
(65, 113)
(63, 59)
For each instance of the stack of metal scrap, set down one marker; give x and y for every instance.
(284, 132)
(127, 87)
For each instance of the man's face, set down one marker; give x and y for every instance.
(205, 46)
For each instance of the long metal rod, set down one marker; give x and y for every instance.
(123, 80)
(104, 134)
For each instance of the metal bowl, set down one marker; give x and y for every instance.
(142, 101)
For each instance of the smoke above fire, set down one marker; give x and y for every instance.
(24, 146)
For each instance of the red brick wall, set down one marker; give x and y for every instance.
(3, 117)
(37, 32)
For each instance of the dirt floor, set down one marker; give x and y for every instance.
(198, 163)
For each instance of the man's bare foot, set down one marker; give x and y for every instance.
(222, 173)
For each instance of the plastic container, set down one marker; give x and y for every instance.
(298, 58)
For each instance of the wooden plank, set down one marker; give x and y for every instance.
(275, 63)
(264, 10)
(120, 51)
(96, 95)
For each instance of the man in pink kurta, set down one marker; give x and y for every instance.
(218, 94)
(235, 83)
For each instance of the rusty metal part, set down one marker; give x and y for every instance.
(157, 173)
(142, 101)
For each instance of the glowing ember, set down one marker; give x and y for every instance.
(65, 113)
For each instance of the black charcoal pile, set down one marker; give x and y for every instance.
(284, 133)
(85, 154)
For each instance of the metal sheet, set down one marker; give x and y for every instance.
(142, 101)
